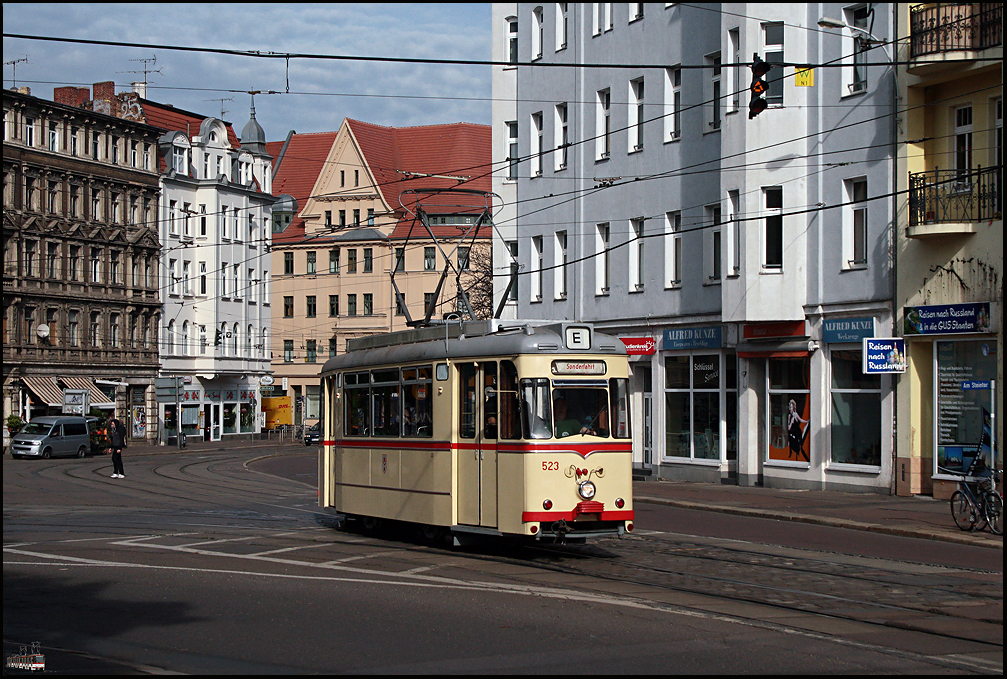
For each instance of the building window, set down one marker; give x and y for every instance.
(311, 262)
(673, 249)
(773, 228)
(29, 132)
(351, 305)
(636, 255)
(368, 260)
(636, 115)
(342, 219)
(856, 410)
(603, 125)
(512, 55)
(223, 222)
(179, 160)
(202, 220)
(310, 306)
(95, 328)
(73, 329)
(370, 216)
(73, 263)
(773, 44)
(53, 135)
(536, 144)
(356, 217)
(312, 351)
(562, 25)
(673, 104)
(288, 351)
(334, 261)
(351, 261)
(714, 241)
(368, 304)
(734, 242)
(512, 248)
(734, 85)
(288, 306)
(288, 263)
(713, 61)
(855, 223)
(202, 278)
(52, 261)
(635, 11)
(96, 265)
(601, 271)
(536, 268)
(561, 136)
(963, 142)
(332, 347)
(400, 304)
(789, 409)
(333, 306)
(858, 48)
(429, 259)
(537, 35)
(428, 303)
(560, 268)
(692, 405)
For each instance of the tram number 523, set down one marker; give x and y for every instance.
(550, 466)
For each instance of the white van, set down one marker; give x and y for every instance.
(46, 437)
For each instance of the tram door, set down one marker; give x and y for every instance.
(477, 454)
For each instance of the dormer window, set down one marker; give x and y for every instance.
(179, 159)
(213, 136)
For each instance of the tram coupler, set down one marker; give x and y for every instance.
(560, 529)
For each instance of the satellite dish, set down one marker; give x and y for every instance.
(42, 330)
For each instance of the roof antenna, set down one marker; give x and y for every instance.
(13, 64)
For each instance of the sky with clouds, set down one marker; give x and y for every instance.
(322, 92)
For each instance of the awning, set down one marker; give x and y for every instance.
(45, 389)
(98, 398)
(791, 349)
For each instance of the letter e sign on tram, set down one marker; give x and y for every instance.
(578, 338)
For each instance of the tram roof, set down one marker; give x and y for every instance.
(469, 339)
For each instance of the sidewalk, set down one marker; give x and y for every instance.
(918, 517)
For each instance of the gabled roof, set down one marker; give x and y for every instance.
(296, 175)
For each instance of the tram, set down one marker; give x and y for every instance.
(480, 428)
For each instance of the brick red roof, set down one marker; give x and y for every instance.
(169, 118)
(296, 175)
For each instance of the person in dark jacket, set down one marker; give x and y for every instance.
(117, 434)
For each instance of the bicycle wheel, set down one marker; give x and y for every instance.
(962, 511)
(994, 506)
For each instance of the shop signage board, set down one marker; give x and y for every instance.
(839, 330)
(883, 355)
(693, 338)
(948, 319)
(640, 346)
(774, 330)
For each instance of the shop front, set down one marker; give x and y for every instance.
(954, 364)
(205, 411)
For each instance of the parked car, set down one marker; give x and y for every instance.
(47, 437)
(313, 434)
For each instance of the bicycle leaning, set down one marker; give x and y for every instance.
(977, 504)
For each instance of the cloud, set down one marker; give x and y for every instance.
(322, 92)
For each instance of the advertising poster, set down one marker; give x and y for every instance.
(139, 418)
(964, 372)
(790, 417)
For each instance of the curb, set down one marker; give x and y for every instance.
(964, 539)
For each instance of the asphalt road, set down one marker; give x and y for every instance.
(218, 563)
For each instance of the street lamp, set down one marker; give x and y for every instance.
(865, 37)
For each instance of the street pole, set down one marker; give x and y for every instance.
(178, 414)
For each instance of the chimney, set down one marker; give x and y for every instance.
(140, 89)
(104, 91)
(71, 96)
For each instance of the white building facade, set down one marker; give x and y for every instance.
(215, 223)
(741, 260)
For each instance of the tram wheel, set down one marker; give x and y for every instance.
(433, 535)
(370, 524)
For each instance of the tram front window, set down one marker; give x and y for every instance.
(580, 411)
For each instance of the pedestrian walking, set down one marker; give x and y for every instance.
(117, 431)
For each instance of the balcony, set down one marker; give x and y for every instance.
(944, 202)
(941, 31)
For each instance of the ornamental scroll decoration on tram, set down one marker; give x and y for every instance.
(943, 319)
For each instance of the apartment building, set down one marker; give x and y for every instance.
(742, 260)
(346, 222)
(81, 297)
(949, 292)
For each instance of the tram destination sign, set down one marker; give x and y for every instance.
(884, 355)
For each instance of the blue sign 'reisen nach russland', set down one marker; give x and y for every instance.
(884, 355)
(947, 319)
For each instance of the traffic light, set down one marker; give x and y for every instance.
(758, 88)
(218, 338)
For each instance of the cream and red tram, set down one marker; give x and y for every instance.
(502, 428)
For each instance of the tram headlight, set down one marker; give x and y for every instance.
(586, 489)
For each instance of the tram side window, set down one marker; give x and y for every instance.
(385, 402)
(536, 411)
(467, 394)
(510, 427)
(619, 392)
(417, 410)
(357, 419)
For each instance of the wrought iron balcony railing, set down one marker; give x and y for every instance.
(954, 196)
(944, 27)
